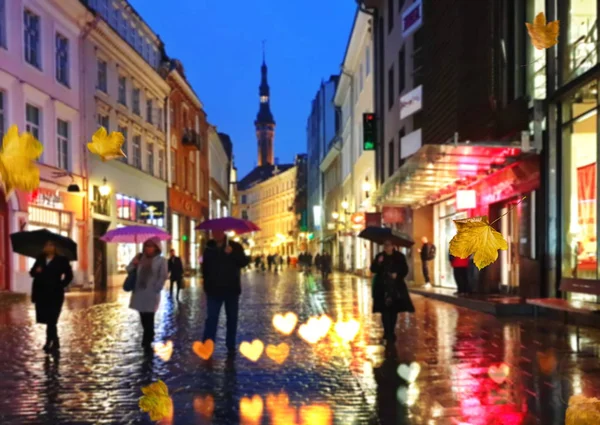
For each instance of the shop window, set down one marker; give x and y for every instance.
(101, 204)
(127, 208)
(581, 52)
(175, 233)
(579, 188)
(44, 218)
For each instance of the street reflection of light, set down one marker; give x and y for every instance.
(576, 383)
(316, 414)
(408, 395)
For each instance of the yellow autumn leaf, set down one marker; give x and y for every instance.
(156, 401)
(543, 35)
(17, 169)
(583, 411)
(476, 236)
(107, 146)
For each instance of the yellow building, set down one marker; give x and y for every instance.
(266, 197)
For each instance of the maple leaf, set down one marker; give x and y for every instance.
(17, 169)
(107, 146)
(543, 35)
(476, 236)
(156, 401)
(583, 411)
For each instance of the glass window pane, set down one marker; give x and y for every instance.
(582, 49)
(579, 185)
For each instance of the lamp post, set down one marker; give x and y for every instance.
(104, 190)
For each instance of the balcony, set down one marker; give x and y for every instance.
(191, 138)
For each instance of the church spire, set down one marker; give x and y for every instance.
(265, 124)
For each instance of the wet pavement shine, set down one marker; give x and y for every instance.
(458, 367)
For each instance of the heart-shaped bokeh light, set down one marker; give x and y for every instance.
(204, 350)
(252, 351)
(285, 324)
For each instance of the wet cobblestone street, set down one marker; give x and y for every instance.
(474, 369)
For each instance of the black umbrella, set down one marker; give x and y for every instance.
(379, 235)
(31, 244)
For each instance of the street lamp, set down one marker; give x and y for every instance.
(366, 187)
(335, 215)
(104, 190)
(345, 205)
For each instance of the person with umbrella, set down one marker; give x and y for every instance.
(390, 293)
(151, 273)
(51, 274)
(221, 269)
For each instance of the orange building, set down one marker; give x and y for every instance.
(188, 166)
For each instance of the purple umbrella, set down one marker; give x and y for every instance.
(229, 224)
(135, 234)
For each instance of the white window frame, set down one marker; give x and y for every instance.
(62, 79)
(62, 145)
(137, 151)
(149, 110)
(32, 56)
(122, 90)
(150, 157)
(136, 95)
(125, 147)
(30, 126)
(102, 83)
(161, 164)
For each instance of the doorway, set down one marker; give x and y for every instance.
(509, 259)
(4, 247)
(100, 256)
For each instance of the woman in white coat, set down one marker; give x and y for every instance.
(152, 272)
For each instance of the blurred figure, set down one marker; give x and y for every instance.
(427, 252)
(460, 270)
(326, 265)
(223, 261)
(175, 272)
(152, 272)
(318, 261)
(390, 293)
(51, 274)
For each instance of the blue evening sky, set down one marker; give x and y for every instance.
(220, 42)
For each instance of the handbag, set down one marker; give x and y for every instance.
(129, 284)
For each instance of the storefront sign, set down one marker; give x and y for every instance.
(466, 199)
(412, 18)
(411, 143)
(47, 198)
(393, 215)
(358, 219)
(152, 210)
(373, 219)
(182, 203)
(411, 102)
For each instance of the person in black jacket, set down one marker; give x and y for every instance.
(51, 274)
(390, 293)
(221, 269)
(175, 273)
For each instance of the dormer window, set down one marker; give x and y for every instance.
(264, 99)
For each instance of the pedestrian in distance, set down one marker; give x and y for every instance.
(390, 293)
(427, 253)
(326, 265)
(460, 270)
(223, 262)
(318, 258)
(151, 273)
(51, 274)
(175, 273)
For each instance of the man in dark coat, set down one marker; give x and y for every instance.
(221, 269)
(427, 252)
(390, 293)
(175, 272)
(51, 274)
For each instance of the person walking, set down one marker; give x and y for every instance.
(223, 261)
(151, 273)
(326, 265)
(427, 252)
(51, 274)
(460, 270)
(390, 293)
(318, 259)
(175, 273)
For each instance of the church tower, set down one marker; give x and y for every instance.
(265, 124)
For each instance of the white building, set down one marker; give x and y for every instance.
(123, 91)
(219, 168)
(40, 88)
(354, 96)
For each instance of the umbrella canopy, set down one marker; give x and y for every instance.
(135, 234)
(31, 244)
(379, 235)
(229, 224)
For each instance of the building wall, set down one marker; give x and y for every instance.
(321, 130)
(270, 205)
(219, 177)
(22, 83)
(134, 176)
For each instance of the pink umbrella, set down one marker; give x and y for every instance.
(134, 234)
(229, 224)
